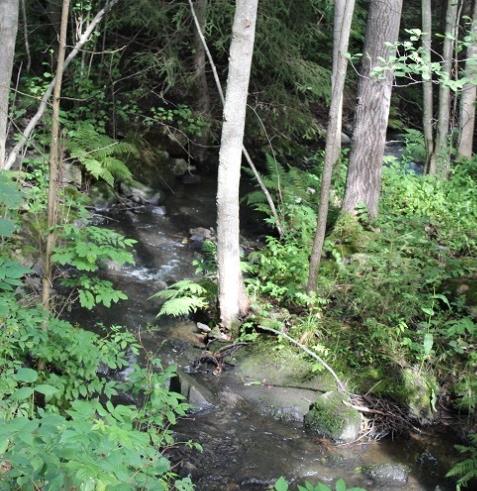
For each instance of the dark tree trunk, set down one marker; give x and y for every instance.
(372, 111)
(202, 87)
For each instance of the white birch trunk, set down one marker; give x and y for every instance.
(8, 36)
(232, 298)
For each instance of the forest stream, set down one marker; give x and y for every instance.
(242, 447)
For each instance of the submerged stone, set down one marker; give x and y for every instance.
(329, 417)
(388, 475)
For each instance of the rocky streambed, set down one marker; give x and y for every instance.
(249, 418)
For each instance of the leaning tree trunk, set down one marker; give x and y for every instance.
(339, 14)
(372, 111)
(428, 111)
(440, 163)
(202, 87)
(344, 16)
(8, 36)
(468, 98)
(54, 158)
(232, 298)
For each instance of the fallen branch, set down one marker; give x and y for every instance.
(249, 160)
(340, 385)
(27, 132)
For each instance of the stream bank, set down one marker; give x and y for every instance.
(248, 441)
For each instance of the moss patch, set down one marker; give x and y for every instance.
(329, 417)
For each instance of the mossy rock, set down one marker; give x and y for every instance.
(418, 388)
(329, 417)
(279, 365)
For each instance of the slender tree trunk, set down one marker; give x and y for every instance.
(232, 297)
(333, 135)
(340, 6)
(8, 36)
(428, 111)
(25, 34)
(372, 112)
(54, 158)
(468, 98)
(440, 162)
(203, 100)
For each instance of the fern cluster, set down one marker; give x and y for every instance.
(466, 470)
(182, 298)
(101, 156)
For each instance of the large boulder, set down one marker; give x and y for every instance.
(278, 382)
(330, 417)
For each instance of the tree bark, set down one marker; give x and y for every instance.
(440, 162)
(8, 36)
(232, 297)
(54, 158)
(203, 99)
(372, 112)
(340, 6)
(469, 93)
(249, 160)
(333, 136)
(428, 111)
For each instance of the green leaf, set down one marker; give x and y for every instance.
(428, 343)
(6, 227)
(23, 393)
(281, 485)
(340, 485)
(9, 194)
(26, 375)
(46, 390)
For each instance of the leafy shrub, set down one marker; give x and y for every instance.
(86, 249)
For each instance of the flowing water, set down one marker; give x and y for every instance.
(242, 448)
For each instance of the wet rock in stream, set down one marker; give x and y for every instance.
(388, 475)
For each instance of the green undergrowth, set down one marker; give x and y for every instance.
(70, 418)
(393, 293)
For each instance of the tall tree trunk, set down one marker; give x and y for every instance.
(372, 112)
(345, 9)
(440, 163)
(54, 158)
(340, 6)
(203, 99)
(8, 36)
(468, 98)
(232, 297)
(428, 111)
